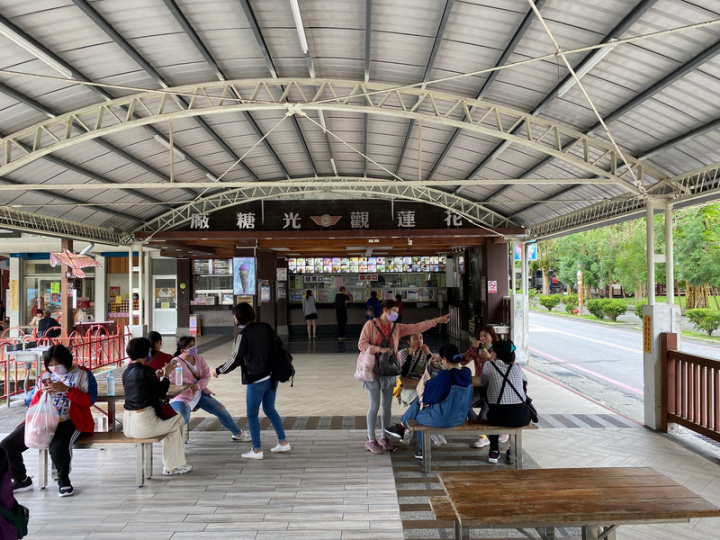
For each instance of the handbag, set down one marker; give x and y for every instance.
(164, 410)
(41, 422)
(387, 364)
(528, 402)
(365, 370)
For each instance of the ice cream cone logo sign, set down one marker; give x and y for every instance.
(325, 220)
(244, 275)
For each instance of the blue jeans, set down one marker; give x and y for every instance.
(211, 405)
(257, 393)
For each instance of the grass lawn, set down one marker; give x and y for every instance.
(680, 301)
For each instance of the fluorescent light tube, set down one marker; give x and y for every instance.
(594, 61)
(38, 53)
(299, 25)
(212, 177)
(166, 144)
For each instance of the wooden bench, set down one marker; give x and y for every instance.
(478, 426)
(444, 511)
(144, 460)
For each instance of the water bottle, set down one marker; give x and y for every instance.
(178, 376)
(110, 383)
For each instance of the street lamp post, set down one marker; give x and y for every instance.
(580, 287)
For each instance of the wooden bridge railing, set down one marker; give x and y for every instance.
(690, 390)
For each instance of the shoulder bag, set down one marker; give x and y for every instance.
(387, 364)
(528, 401)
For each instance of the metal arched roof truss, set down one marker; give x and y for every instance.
(592, 155)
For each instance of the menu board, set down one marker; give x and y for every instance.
(354, 265)
(210, 267)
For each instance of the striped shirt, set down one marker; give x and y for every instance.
(492, 379)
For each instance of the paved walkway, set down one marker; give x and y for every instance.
(329, 487)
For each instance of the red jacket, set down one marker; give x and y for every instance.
(80, 403)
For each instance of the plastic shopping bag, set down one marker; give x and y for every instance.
(41, 422)
(365, 370)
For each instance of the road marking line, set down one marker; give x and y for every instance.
(594, 374)
(600, 341)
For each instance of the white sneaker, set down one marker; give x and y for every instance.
(504, 438)
(182, 469)
(243, 436)
(253, 455)
(438, 440)
(281, 448)
(482, 442)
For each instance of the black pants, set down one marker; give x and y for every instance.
(342, 319)
(515, 415)
(60, 451)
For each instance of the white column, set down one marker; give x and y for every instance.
(669, 256)
(656, 319)
(525, 275)
(650, 236)
(519, 322)
(513, 279)
(101, 290)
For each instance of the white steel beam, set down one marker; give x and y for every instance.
(302, 95)
(473, 212)
(334, 181)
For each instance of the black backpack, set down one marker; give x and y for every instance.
(280, 360)
(19, 518)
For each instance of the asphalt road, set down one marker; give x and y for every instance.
(600, 361)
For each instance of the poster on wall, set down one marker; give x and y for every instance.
(243, 275)
(282, 274)
(281, 291)
(165, 298)
(265, 291)
(114, 291)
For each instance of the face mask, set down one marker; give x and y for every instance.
(393, 316)
(58, 370)
(192, 351)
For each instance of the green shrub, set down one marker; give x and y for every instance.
(549, 302)
(704, 319)
(596, 307)
(612, 308)
(571, 302)
(531, 293)
(638, 307)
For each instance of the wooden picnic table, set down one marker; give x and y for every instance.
(102, 397)
(409, 383)
(598, 500)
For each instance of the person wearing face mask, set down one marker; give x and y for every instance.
(144, 389)
(386, 328)
(73, 390)
(445, 400)
(157, 359)
(481, 351)
(197, 373)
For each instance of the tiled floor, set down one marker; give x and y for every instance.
(329, 487)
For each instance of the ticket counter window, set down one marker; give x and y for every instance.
(42, 290)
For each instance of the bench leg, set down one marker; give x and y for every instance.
(148, 460)
(140, 465)
(427, 451)
(43, 464)
(518, 450)
(458, 531)
(590, 532)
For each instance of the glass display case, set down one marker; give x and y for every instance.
(212, 282)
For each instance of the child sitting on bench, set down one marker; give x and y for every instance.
(445, 400)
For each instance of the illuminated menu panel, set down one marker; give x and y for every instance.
(354, 265)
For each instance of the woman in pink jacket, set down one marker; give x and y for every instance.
(373, 334)
(197, 373)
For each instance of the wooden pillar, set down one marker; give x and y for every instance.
(66, 321)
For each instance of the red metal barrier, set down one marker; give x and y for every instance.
(691, 390)
(93, 349)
